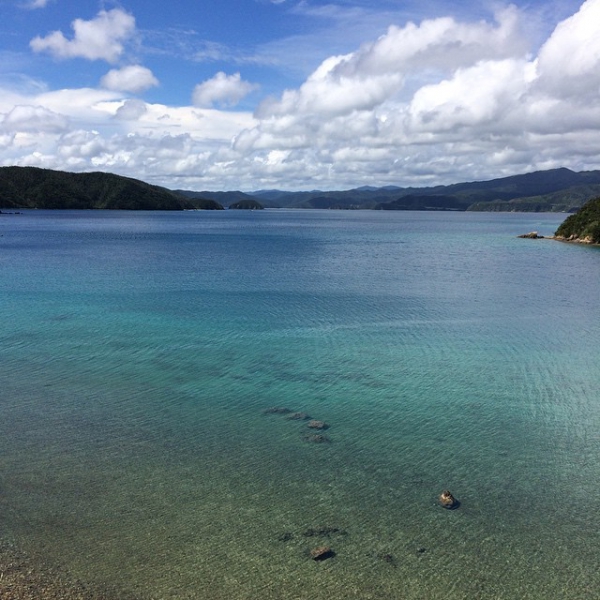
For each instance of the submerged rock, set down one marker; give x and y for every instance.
(447, 500)
(314, 424)
(322, 553)
(388, 558)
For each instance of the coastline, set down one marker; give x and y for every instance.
(573, 240)
(533, 235)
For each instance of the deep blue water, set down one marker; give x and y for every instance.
(138, 352)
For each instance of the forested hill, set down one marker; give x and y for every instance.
(31, 187)
(583, 226)
(559, 190)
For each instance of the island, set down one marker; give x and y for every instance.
(250, 204)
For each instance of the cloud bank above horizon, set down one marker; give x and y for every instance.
(439, 99)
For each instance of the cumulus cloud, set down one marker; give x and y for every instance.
(131, 110)
(330, 90)
(80, 146)
(432, 102)
(101, 38)
(439, 96)
(32, 119)
(439, 44)
(97, 129)
(84, 105)
(479, 96)
(365, 78)
(222, 89)
(134, 78)
(569, 62)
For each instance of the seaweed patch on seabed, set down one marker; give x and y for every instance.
(316, 438)
(300, 416)
(385, 557)
(277, 410)
(319, 534)
(323, 531)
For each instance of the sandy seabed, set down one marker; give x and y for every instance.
(23, 577)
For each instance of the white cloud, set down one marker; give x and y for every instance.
(134, 78)
(82, 106)
(376, 72)
(480, 96)
(439, 44)
(81, 146)
(222, 89)
(32, 119)
(37, 4)
(439, 97)
(97, 129)
(131, 110)
(432, 102)
(330, 90)
(99, 39)
(569, 62)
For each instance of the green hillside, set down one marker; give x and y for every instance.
(583, 226)
(31, 187)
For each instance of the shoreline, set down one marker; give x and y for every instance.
(581, 241)
(533, 235)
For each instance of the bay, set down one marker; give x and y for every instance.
(139, 352)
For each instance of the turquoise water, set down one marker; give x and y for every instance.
(138, 352)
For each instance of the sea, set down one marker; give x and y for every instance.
(152, 365)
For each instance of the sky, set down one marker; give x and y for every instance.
(300, 94)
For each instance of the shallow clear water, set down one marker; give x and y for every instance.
(139, 350)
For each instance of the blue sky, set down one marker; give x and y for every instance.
(303, 94)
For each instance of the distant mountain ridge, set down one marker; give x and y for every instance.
(556, 190)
